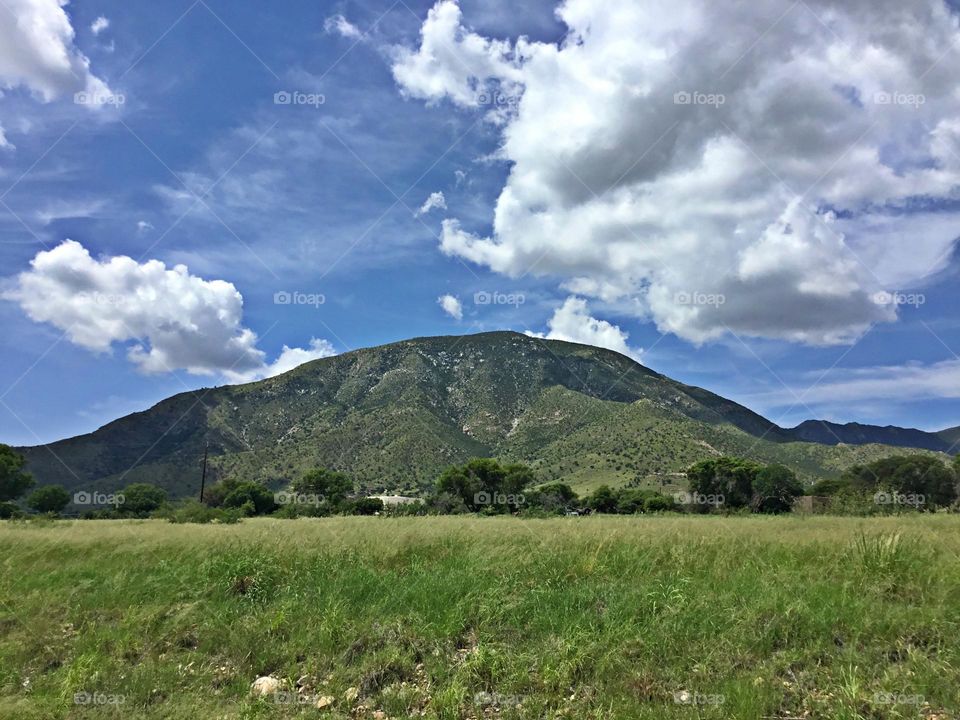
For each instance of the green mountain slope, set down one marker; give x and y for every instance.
(394, 416)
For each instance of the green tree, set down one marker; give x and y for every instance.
(49, 499)
(14, 482)
(730, 477)
(142, 498)
(774, 489)
(485, 484)
(330, 485)
(924, 475)
(255, 497)
(603, 500)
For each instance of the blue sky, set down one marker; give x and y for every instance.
(189, 160)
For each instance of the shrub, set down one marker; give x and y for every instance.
(366, 506)
(252, 497)
(8, 511)
(907, 474)
(141, 499)
(49, 499)
(192, 511)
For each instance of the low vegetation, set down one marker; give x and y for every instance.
(656, 617)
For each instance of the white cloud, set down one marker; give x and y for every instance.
(143, 226)
(99, 25)
(288, 359)
(436, 201)
(572, 322)
(63, 209)
(871, 385)
(451, 306)
(4, 143)
(38, 52)
(340, 25)
(651, 161)
(454, 63)
(170, 319)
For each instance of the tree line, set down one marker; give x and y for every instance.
(489, 487)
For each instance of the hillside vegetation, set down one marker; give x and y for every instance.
(394, 416)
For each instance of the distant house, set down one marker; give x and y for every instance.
(390, 500)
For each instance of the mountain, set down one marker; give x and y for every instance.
(822, 431)
(393, 416)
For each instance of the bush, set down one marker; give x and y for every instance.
(909, 475)
(366, 506)
(49, 499)
(192, 511)
(9, 511)
(141, 499)
(252, 497)
(659, 503)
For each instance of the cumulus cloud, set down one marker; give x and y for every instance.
(651, 163)
(451, 306)
(169, 319)
(288, 359)
(454, 63)
(37, 51)
(340, 25)
(99, 25)
(572, 322)
(436, 201)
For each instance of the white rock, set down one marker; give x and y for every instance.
(265, 685)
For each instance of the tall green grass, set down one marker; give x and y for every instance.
(452, 617)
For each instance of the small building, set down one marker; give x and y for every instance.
(393, 500)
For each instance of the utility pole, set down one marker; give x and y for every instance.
(203, 477)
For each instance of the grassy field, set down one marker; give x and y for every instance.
(599, 617)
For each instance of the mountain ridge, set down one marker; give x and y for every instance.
(393, 415)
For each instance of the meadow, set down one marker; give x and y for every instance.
(654, 617)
